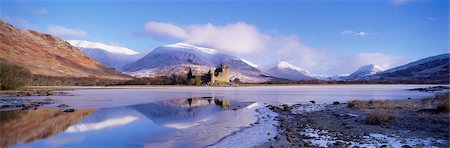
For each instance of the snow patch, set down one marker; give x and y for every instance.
(193, 47)
(109, 48)
(250, 63)
(300, 108)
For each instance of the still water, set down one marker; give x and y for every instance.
(172, 116)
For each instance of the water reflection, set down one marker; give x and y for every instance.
(18, 126)
(163, 123)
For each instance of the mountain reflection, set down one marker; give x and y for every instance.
(181, 111)
(17, 126)
(101, 125)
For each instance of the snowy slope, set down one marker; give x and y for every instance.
(365, 71)
(111, 56)
(287, 71)
(178, 58)
(435, 68)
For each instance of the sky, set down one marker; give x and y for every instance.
(324, 37)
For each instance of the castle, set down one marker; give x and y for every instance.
(219, 77)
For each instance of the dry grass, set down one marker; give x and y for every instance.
(442, 102)
(390, 104)
(378, 118)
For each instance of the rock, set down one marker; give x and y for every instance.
(336, 103)
(49, 93)
(339, 142)
(286, 107)
(69, 110)
(273, 108)
(5, 106)
(313, 102)
(63, 105)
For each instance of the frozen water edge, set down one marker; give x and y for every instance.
(256, 134)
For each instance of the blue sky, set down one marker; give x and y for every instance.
(324, 37)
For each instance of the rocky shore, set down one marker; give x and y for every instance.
(397, 123)
(34, 92)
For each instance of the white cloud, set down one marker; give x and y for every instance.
(239, 38)
(164, 30)
(347, 32)
(357, 33)
(360, 33)
(66, 32)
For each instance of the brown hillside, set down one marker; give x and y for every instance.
(47, 55)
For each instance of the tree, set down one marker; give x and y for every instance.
(13, 76)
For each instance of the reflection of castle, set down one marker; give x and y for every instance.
(220, 76)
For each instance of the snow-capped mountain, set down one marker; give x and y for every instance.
(178, 58)
(339, 77)
(109, 55)
(365, 71)
(431, 69)
(288, 71)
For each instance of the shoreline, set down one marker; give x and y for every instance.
(338, 125)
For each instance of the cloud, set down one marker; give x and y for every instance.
(357, 33)
(164, 30)
(347, 32)
(66, 32)
(239, 38)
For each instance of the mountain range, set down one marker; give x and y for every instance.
(47, 55)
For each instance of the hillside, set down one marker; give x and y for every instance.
(433, 69)
(47, 55)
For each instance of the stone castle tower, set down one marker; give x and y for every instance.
(221, 75)
(218, 77)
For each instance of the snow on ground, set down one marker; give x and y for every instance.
(254, 135)
(321, 138)
(299, 109)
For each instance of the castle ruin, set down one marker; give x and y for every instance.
(220, 76)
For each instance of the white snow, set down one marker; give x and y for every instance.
(254, 135)
(366, 70)
(189, 46)
(250, 63)
(96, 45)
(299, 109)
(286, 70)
